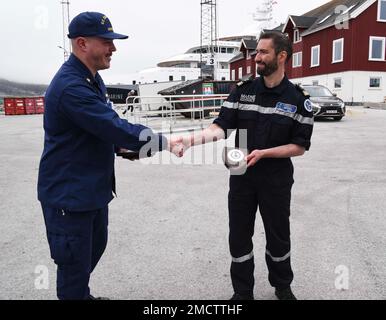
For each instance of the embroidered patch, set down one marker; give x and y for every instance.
(308, 105)
(247, 98)
(284, 107)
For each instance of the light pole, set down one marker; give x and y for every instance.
(66, 54)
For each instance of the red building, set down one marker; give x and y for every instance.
(341, 44)
(244, 63)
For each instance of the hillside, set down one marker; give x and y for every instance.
(10, 88)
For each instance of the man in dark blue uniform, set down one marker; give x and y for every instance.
(279, 121)
(76, 174)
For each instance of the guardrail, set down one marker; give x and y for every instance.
(175, 112)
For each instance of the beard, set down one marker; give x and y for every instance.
(269, 68)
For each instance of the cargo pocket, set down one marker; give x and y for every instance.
(63, 248)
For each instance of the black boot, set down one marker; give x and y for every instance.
(285, 294)
(238, 296)
(90, 297)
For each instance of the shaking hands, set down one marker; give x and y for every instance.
(178, 145)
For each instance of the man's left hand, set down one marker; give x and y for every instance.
(253, 157)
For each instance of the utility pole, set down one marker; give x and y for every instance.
(208, 42)
(66, 47)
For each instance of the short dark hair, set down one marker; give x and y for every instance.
(281, 42)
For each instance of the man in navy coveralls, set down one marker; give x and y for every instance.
(76, 174)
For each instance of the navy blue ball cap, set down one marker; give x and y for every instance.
(92, 24)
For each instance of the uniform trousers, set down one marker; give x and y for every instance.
(269, 190)
(77, 241)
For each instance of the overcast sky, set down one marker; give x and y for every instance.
(31, 31)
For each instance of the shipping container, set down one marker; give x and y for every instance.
(19, 106)
(39, 105)
(30, 106)
(9, 106)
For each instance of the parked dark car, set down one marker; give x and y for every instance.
(325, 103)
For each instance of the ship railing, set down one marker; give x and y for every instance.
(164, 113)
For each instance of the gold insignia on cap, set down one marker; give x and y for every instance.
(103, 20)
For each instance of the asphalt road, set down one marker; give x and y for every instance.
(168, 227)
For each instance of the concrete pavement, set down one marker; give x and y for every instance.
(168, 227)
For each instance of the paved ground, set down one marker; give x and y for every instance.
(168, 226)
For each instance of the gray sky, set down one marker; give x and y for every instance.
(31, 31)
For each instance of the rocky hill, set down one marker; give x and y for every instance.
(10, 88)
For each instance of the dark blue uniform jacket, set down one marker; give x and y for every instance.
(76, 170)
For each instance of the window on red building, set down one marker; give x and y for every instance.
(315, 56)
(377, 49)
(297, 37)
(381, 10)
(297, 59)
(337, 50)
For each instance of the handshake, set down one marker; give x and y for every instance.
(176, 145)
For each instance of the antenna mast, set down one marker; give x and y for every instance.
(208, 43)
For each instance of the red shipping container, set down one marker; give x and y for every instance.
(9, 106)
(20, 106)
(30, 106)
(39, 105)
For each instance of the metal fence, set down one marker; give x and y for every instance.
(172, 113)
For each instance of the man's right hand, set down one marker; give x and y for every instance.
(127, 154)
(175, 146)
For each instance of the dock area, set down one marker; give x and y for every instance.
(168, 227)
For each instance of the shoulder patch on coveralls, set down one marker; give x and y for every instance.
(245, 80)
(302, 90)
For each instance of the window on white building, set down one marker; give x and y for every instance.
(233, 74)
(315, 56)
(377, 49)
(375, 82)
(381, 10)
(183, 78)
(338, 83)
(297, 37)
(337, 50)
(297, 59)
(240, 72)
(248, 69)
(315, 82)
